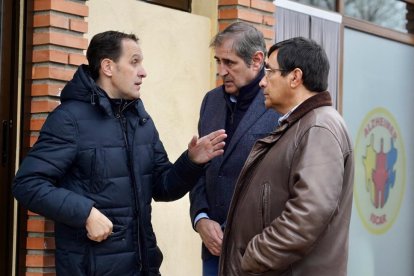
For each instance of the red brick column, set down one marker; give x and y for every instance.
(256, 12)
(58, 45)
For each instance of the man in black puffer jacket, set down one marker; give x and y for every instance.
(98, 163)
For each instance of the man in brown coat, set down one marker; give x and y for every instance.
(291, 209)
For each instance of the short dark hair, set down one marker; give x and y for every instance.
(105, 45)
(247, 40)
(307, 55)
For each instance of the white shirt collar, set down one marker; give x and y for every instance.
(284, 117)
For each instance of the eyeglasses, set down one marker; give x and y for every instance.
(269, 70)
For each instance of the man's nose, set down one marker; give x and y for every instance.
(142, 73)
(222, 70)
(263, 82)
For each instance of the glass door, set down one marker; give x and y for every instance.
(8, 113)
(378, 108)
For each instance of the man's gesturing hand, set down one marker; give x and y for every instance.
(98, 226)
(204, 149)
(211, 234)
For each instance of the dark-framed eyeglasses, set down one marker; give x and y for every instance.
(269, 70)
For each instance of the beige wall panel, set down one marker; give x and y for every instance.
(177, 60)
(208, 8)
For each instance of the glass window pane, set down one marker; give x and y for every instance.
(380, 238)
(323, 31)
(323, 4)
(386, 13)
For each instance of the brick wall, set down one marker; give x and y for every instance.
(58, 48)
(256, 12)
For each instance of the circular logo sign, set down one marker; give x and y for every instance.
(379, 171)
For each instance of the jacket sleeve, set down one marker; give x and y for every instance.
(37, 182)
(198, 199)
(317, 176)
(198, 195)
(173, 181)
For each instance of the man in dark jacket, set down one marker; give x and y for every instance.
(99, 162)
(238, 106)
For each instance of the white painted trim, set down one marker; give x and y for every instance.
(294, 6)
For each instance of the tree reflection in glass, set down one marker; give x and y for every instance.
(386, 13)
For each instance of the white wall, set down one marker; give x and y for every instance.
(177, 60)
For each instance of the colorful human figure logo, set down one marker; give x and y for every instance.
(379, 171)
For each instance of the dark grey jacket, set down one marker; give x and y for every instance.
(213, 192)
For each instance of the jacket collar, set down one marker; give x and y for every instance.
(318, 100)
(253, 113)
(83, 88)
(247, 93)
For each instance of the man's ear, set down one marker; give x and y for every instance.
(296, 78)
(106, 67)
(258, 60)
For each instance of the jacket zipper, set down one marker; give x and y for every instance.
(239, 191)
(265, 205)
(123, 123)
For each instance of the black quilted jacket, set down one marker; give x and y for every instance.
(94, 152)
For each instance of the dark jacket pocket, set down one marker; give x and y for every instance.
(118, 232)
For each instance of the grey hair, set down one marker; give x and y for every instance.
(247, 40)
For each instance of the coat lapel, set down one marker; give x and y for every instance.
(217, 117)
(216, 120)
(254, 112)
